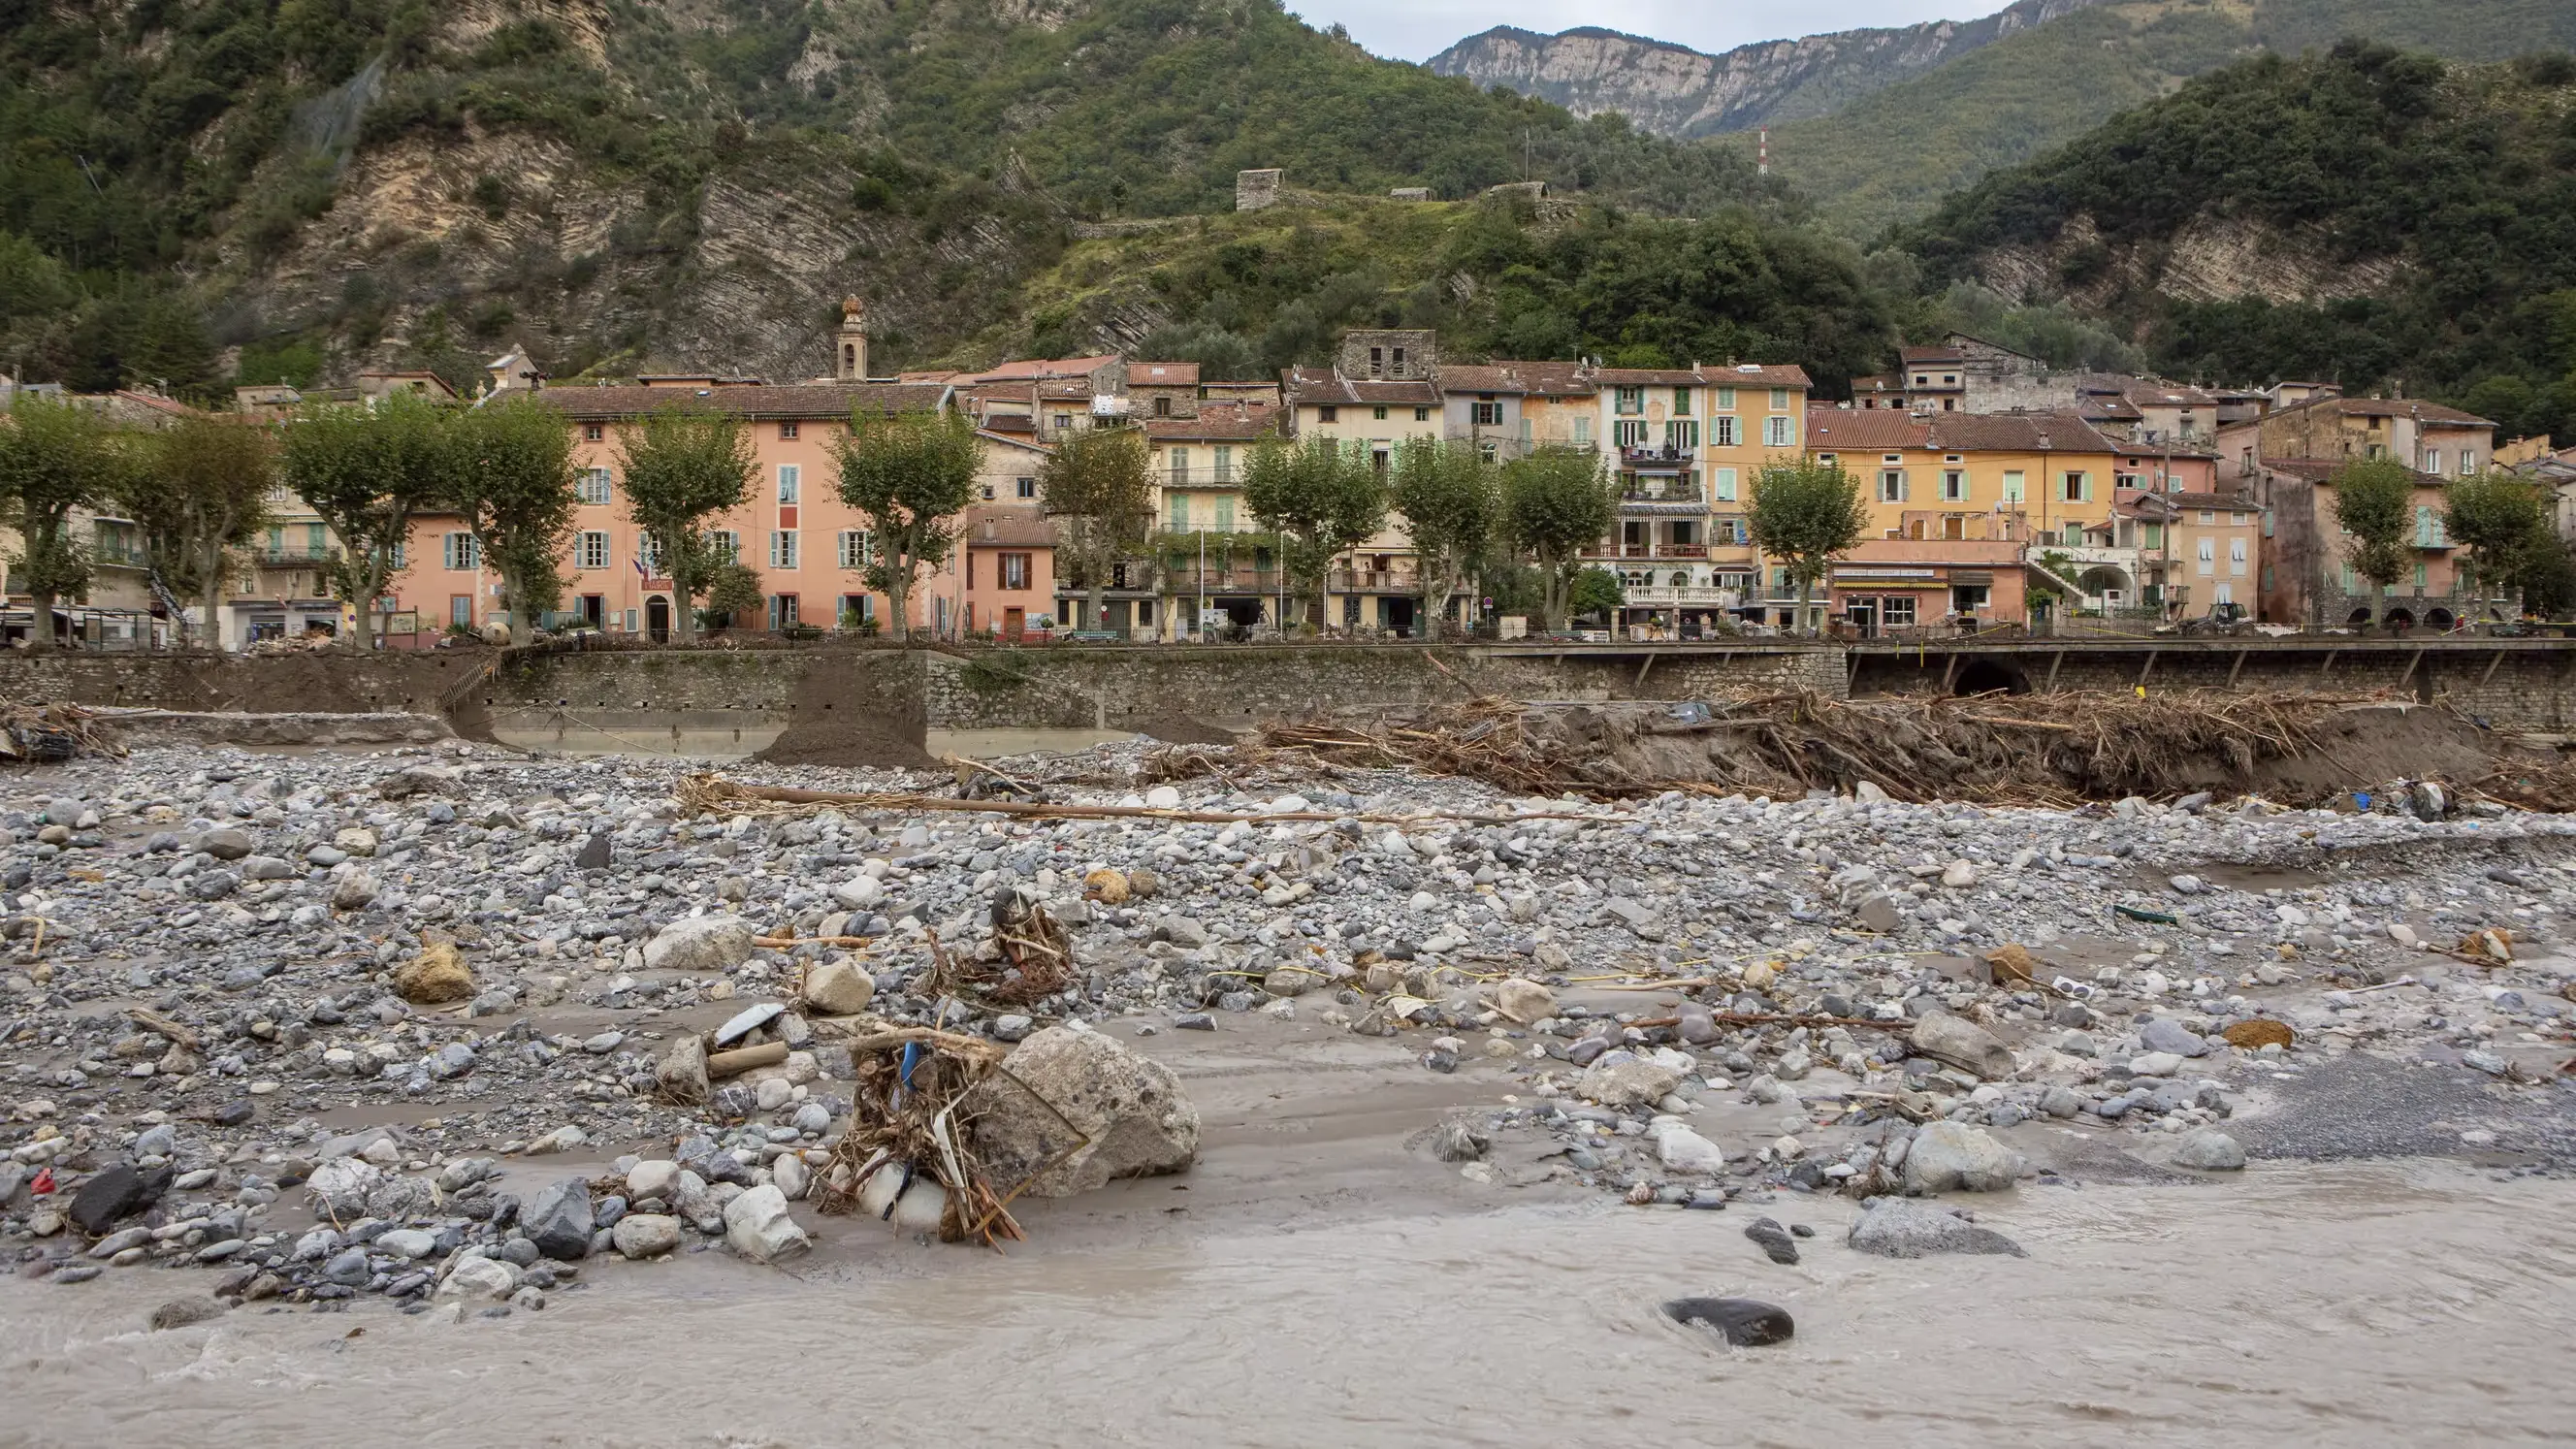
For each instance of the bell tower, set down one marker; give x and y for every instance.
(850, 357)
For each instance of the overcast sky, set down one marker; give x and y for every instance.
(1420, 29)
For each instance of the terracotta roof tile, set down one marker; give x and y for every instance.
(825, 400)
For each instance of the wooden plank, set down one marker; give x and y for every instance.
(2491, 669)
(2329, 664)
(1648, 663)
(2149, 667)
(1950, 671)
(2054, 660)
(2236, 669)
(2411, 662)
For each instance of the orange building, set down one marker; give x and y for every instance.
(808, 547)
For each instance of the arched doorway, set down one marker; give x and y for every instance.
(657, 618)
(1986, 676)
(2108, 584)
(2399, 619)
(2439, 618)
(2357, 618)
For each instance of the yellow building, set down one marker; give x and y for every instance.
(2043, 480)
(1212, 579)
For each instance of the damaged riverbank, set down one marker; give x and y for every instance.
(1385, 996)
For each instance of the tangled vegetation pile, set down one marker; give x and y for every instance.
(908, 1157)
(48, 734)
(2058, 749)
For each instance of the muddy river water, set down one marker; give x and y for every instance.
(2378, 1303)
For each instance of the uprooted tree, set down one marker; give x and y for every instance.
(2374, 502)
(1803, 513)
(908, 475)
(683, 466)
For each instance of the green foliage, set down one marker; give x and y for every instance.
(1596, 594)
(733, 589)
(1556, 503)
(1803, 513)
(201, 491)
(509, 474)
(54, 458)
(1320, 497)
(1452, 501)
(2334, 153)
(680, 466)
(2374, 505)
(367, 471)
(1097, 486)
(296, 362)
(908, 475)
(2053, 332)
(2499, 517)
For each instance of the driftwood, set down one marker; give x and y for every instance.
(153, 1021)
(742, 1059)
(717, 795)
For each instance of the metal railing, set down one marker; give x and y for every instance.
(1650, 455)
(1209, 476)
(295, 553)
(1694, 497)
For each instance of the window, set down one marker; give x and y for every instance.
(1422, 415)
(782, 549)
(1014, 570)
(2468, 463)
(857, 610)
(2429, 531)
(1779, 399)
(463, 552)
(2154, 535)
(1177, 511)
(1180, 466)
(1628, 434)
(790, 482)
(725, 544)
(2208, 557)
(2433, 461)
(2079, 488)
(1062, 422)
(2208, 517)
(1681, 402)
(1681, 435)
(1969, 598)
(648, 555)
(1896, 611)
(1162, 407)
(1328, 415)
(460, 609)
(2236, 557)
(1954, 486)
(2267, 576)
(1721, 484)
(1379, 414)
(1725, 402)
(592, 485)
(1224, 463)
(1399, 361)
(2014, 486)
(592, 432)
(787, 431)
(401, 556)
(1891, 485)
(590, 550)
(1377, 361)
(1779, 432)
(1225, 513)
(2236, 520)
(2423, 576)
(854, 548)
(1486, 414)
(1721, 433)
(782, 611)
(1628, 400)
(1583, 432)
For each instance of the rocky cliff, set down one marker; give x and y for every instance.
(1673, 90)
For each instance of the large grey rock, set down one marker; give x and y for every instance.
(1954, 1157)
(758, 1226)
(480, 1277)
(1132, 1108)
(1961, 1043)
(682, 1072)
(2163, 1035)
(340, 1186)
(838, 988)
(700, 943)
(2210, 1152)
(646, 1235)
(559, 1218)
(225, 843)
(1896, 1227)
(1619, 1080)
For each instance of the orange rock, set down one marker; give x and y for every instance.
(1108, 887)
(2012, 962)
(2258, 1034)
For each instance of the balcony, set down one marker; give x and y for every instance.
(1681, 596)
(1675, 499)
(295, 555)
(1207, 477)
(1657, 459)
(1373, 581)
(1647, 551)
(1221, 581)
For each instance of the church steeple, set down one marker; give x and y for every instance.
(851, 359)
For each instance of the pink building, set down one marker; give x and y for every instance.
(808, 547)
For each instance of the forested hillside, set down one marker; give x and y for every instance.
(2359, 214)
(627, 182)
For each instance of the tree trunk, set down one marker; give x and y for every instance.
(40, 618)
(514, 593)
(1551, 593)
(899, 601)
(1806, 593)
(2378, 603)
(684, 617)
